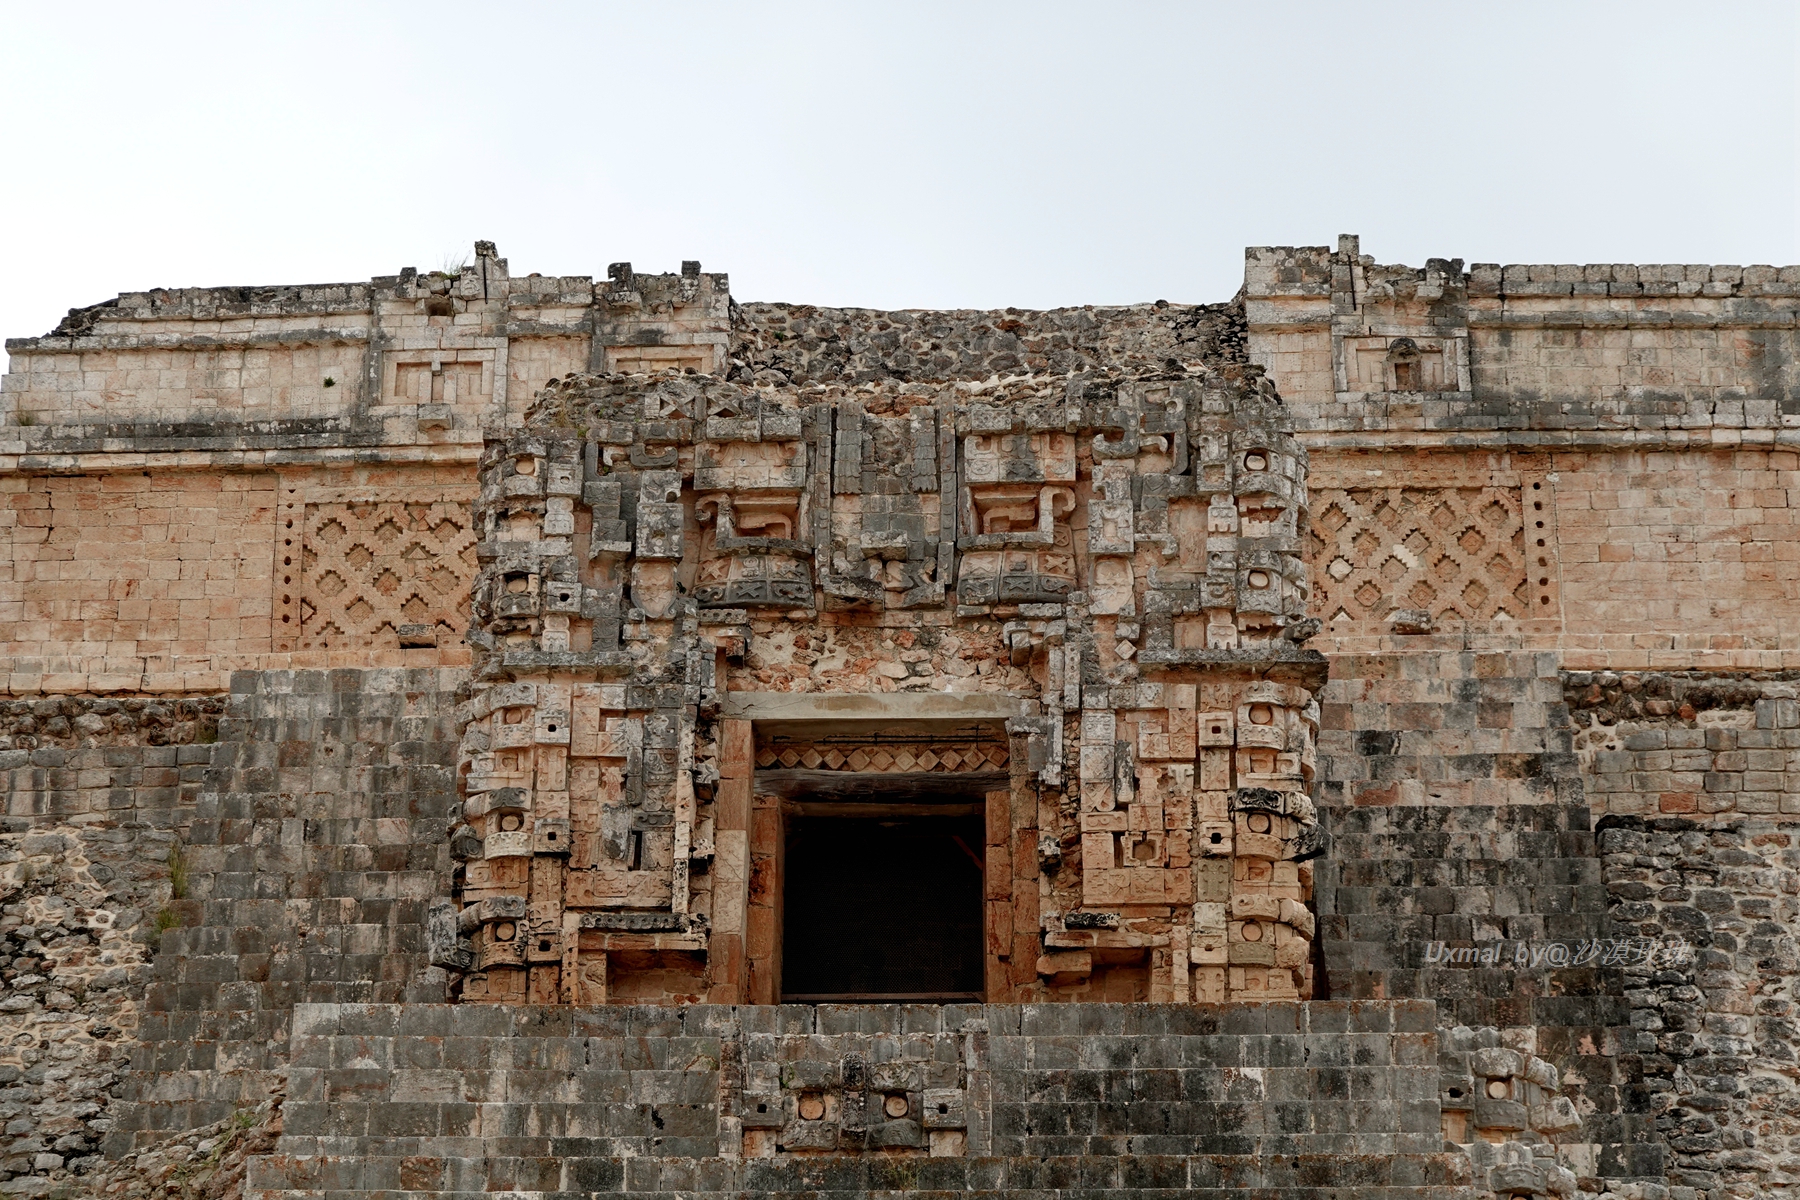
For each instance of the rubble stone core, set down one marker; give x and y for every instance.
(469, 734)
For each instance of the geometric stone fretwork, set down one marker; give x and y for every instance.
(371, 567)
(924, 756)
(1456, 552)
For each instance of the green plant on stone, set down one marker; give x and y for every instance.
(166, 920)
(178, 876)
(904, 1175)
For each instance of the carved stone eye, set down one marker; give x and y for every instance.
(1258, 823)
(505, 931)
(1252, 931)
(1261, 714)
(1256, 460)
(1259, 579)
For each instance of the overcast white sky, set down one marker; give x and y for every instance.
(887, 155)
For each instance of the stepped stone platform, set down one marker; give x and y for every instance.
(1284, 1101)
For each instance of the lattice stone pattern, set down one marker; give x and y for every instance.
(1456, 552)
(371, 567)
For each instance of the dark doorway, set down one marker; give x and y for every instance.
(882, 908)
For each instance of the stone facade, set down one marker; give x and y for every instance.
(466, 732)
(1161, 727)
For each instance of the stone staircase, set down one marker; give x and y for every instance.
(1288, 1102)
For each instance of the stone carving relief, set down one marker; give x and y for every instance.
(1138, 545)
(750, 477)
(891, 486)
(1403, 364)
(1505, 1105)
(1016, 544)
(800, 1104)
(384, 573)
(445, 377)
(859, 755)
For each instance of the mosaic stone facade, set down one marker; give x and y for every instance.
(468, 733)
(1134, 545)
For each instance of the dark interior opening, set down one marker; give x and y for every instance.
(882, 908)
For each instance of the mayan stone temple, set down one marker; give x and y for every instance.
(472, 734)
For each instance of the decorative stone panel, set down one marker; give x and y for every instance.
(383, 573)
(1457, 553)
(1137, 543)
(883, 756)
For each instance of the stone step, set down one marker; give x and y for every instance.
(1304, 1193)
(434, 1099)
(1437, 1176)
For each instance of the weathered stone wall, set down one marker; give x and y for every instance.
(106, 723)
(1462, 851)
(74, 960)
(1611, 451)
(1583, 345)
(96, 792)
(1698, 846)
(116, 570)
(1713, 1017)
(316, 840)
(1688, 743)
(134, 581)
(1687, 555)
(176, 872)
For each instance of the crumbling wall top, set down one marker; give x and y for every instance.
(1297, 271)
(801, 343)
